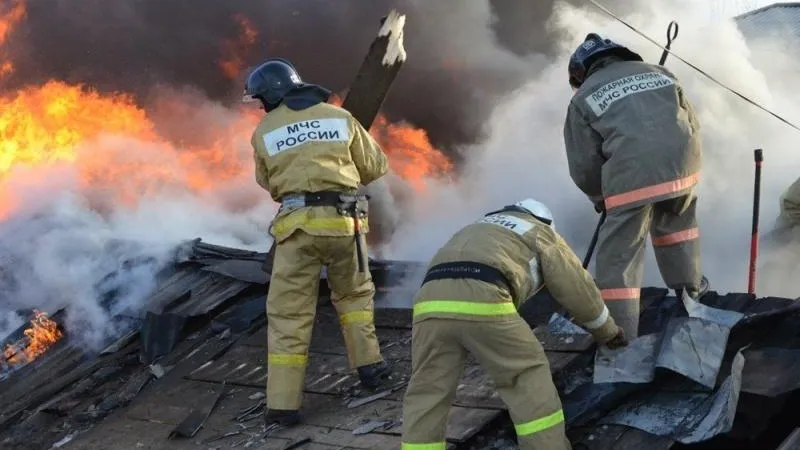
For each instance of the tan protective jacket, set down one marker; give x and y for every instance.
(321, 148)
(631, 136)
(530, 254)
(790, 207)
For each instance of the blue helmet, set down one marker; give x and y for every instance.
(592, 48)
(271, 81)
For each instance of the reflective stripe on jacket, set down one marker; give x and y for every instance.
(631, 136)
(530, 254)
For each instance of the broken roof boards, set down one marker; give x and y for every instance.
(230, 347)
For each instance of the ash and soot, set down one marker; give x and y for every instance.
(123, 135)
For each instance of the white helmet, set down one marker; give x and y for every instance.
(537, 209)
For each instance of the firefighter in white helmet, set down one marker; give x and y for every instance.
(312, 156)
(468, 304)
(633, 147)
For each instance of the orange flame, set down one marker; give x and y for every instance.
(42, 333)
(411, 154)
(236, 50)
(8, 20)
(120, 154)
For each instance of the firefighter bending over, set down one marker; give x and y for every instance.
(468, 304)
(311, 156)
(633, 147)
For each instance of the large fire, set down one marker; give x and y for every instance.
(120, 151)
(103, 138)
(42, 333)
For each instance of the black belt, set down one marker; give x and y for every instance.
(327, 198)
(323, 198)
(471, 270)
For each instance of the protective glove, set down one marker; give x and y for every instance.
(599, 207)
(618, 341)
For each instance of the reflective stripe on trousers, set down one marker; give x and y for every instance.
(462, 307)
(356, 317)
(541, 424)
(285, 224)
(672, 227)
(676, 238)
(287, 360)
(651, 192)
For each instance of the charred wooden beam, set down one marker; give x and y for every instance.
(384, 59)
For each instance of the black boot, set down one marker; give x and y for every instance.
(374, 375)
(282, 417)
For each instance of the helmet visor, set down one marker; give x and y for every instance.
(248, 98)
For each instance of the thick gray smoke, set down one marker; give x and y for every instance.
(523, 154)
(68, 238)
(497, 99)
(456, 70)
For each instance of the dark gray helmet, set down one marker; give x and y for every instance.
(593, 48)
(271, 81)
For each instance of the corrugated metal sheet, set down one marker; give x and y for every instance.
(781, 19)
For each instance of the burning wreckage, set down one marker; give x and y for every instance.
(189, 372)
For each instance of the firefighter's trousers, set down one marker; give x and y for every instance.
(672, 226)
(509, 353)
(292, 304)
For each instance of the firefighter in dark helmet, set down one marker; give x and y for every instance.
(633, 147)
(312, 156)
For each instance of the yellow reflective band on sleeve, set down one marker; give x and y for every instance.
(428, 446)
(535, 426)
(287, 359)
(460, 307)
(286, 224)
(356, 317)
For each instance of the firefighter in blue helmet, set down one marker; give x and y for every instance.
(633, 147)
(311, 157)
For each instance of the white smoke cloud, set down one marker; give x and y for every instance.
(60, 251)
(71, 246)
(523, 154)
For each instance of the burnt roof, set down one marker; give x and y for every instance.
(201, 344)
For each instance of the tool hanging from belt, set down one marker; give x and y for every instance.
(346, 204)
(470, 270)
(356, 215)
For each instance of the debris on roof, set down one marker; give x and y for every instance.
(204, 330)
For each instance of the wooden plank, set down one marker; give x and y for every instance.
(336, 438)
(381, 65)
(41, 386)
(174, 287)
(331, 374)
(209, 294)
(327, 420)
(331, 412)
(327, 338)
